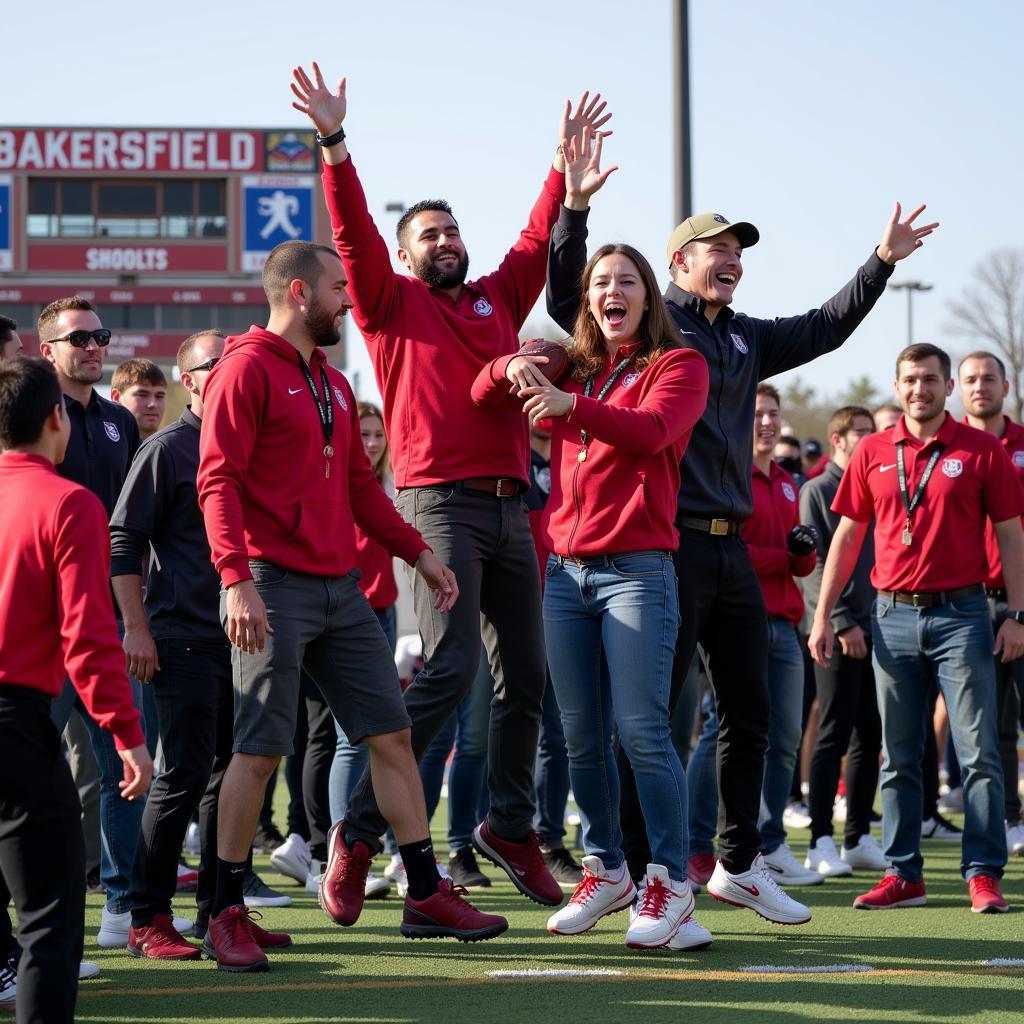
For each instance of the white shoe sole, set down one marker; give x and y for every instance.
(839, 870)
(811, 878)
(579, 927)
(268, 901)
(639, 943)
(290, 868)
(916, 901)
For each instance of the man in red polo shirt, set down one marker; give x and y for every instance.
(932, 484)
(459, 470)
(983, 388)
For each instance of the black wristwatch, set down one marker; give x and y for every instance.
(330, 140)
(1017, 616)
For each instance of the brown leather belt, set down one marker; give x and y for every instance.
(496, 486)
(932, 598)
(716, 527)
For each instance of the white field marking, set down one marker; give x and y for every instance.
(808, 969)
(1002, 961)
(552, 972)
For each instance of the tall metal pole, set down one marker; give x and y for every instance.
(910, 316)
(681, 25)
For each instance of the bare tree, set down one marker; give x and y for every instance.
(991, 314)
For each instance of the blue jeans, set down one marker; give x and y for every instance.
(702, 779)
(611, 628)
(915, 648)
(120, 819)
(785, 679)
(551, 774)
(468, 773)
(350, 761)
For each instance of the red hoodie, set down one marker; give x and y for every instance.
(262, 483)
(623, 497)
(56, 613)
(427, 349)
(776, 512)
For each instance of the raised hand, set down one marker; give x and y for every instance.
(324, 108)
(589, 113)
(583, 174)
(901, 238)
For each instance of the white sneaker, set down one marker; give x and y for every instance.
(839, 810)
(395, 868)
(87, 970)
(788, 870)
(114, 928)
(824, 858)
(8, 981)
(866, 855)
(292, 858)
(757, 890)
(600, 892)
(401, 878)
(691, 935)
(316, 869)
(952, 801)
(192, 844)
(1015, 839)
(796, 815)
(663, 905)
(376, 887)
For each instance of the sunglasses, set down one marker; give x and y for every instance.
(79, 339)
(208, 365)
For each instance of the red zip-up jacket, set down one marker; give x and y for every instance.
(622, 498)
(1013, 443)
(427, 349)
(378, 571)
(776, 512)
(56, 613)
(263, 486)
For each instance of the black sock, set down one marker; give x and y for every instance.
(230, 878)
(421, 868)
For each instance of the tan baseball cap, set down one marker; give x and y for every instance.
(707, 225)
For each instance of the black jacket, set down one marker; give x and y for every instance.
(740, 351)
(159, 506)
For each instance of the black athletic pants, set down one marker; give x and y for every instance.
(42, 857)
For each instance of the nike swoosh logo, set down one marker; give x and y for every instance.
(882, 469)
(752, 889)
(426, 849)
(521, 872)
(294, 391)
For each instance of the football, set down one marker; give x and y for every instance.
(556, 369)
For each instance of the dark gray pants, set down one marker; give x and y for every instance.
(487, 543)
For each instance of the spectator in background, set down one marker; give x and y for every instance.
(983, 390)
(141, 387)
(813, 458)
(886, 415)
(787, 454)
(10, 343)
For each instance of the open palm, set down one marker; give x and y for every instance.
(324, 108)
(583, 174)
(589, 113)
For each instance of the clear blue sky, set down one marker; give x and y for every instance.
(810, 118)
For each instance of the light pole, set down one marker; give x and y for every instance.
(910, 287)
(681, 25)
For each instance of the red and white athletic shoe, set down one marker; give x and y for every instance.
(891, 892)
(448, 914)
(343, 886)
(188, 879)
(159, 940)
(985, 895)
(522, 862)
(699, 869)
(601, 892)
(663, 906)
(759, 892)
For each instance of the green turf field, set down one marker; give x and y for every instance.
(927, 966)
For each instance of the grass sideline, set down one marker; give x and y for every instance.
(927, 965)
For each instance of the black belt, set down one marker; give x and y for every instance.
(716, 527)
(495, 486)
(995, 593)
(932, 598)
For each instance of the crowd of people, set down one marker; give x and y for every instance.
(608, 561)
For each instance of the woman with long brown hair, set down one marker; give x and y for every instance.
(621, 423)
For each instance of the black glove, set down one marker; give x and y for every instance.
(802, 539)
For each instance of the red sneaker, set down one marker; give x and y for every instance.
(230, 941)
(448, 914)
(188, 879)
(985, 895)
(523, 862)
(160, 940)
(700, 867)
(343, 886)
(892, 891)
(265, 939)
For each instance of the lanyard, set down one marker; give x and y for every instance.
(588, 390)
(911, 503)
(326, 413)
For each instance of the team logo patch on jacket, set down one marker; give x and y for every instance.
(739, 343)
(1018, 459)
(112, 432)
(787, 490)
(630, 379)
(952, 467)
(340, 398)
(482, 307)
